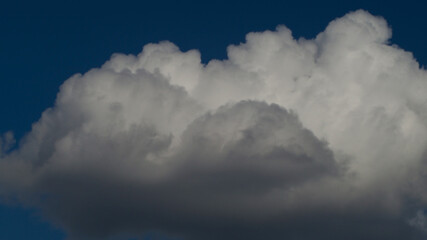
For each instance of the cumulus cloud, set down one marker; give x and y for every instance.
(6, 142)
(320, 138)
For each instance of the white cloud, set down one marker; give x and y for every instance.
(286, 138)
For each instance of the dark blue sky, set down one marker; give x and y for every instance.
(44, 43)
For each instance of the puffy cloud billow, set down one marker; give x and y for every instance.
(321, 138)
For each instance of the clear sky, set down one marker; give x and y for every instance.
(43, 43)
